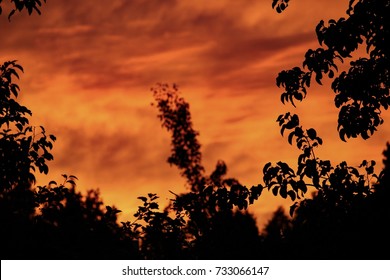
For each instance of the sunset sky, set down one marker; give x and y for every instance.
(89, 66)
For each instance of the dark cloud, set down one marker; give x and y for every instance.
(122, 44)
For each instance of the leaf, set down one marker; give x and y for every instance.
(18, 66)
(365, 135)
(290, 137)
(295, 120)
(312, 133)
(282, 129)
(153, 205)
(48, 156)
(37, 10)
(283, 97)
(44, 169)
(256, 191)
(300, 170)
(318, 78)
(265, 168)
(342, 135)
(370, 170)
(11, 14)
(354, 171)
(275, 190)
(283, 191)
(285, 168)
(19, 126)
(14, 89)
(302, 186)
(144, 199)
(13, 72)
(292, 194)
(72, 182)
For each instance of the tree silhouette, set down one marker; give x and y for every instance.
(274, 241)
(53, 221)
(202, 223)
(70, 225)
(348, 207)
(338, 222)
(23, 149)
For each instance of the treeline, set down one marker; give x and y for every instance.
(346, 218)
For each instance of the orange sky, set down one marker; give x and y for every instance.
(89, 68)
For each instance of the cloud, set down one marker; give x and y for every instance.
(137, 43)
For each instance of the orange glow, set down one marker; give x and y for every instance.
(89, 67)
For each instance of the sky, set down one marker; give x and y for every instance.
(89, 66)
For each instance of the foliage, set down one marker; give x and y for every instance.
(340, 223)
(280, 5)
(20, 5)
(336, 222)
(217, 191)
(341, 182)
(23, 148)
(348, 207)
(162, 236)
(65, 225)
(175, 117)
(362, 91)
(359, 94)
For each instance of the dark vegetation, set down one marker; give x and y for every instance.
(346, 217)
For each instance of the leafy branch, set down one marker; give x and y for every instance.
(363, 90)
